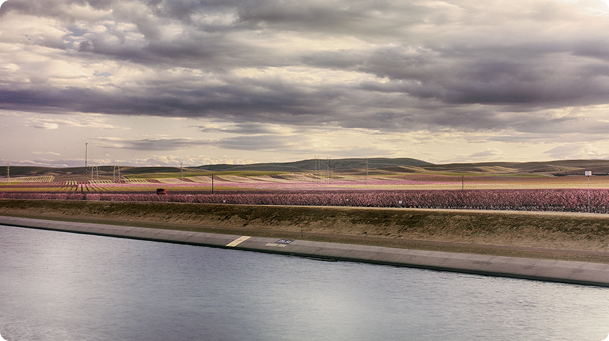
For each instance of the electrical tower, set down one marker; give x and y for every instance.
(86, 155)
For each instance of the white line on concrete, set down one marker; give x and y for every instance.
(238, 241)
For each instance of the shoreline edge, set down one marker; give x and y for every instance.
(571, 272)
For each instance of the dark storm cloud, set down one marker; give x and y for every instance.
(150, 144)
(256, 102)
(260, 142)
(466, 65)
(245, 128)
(549, 78)
(256, 142)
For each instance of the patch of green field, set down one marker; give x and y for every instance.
(174, 175)
(36, 189)
(130, 189)
(177, 175)
(515, 175)
(208, 189)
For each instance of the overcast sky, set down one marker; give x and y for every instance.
(159, 82)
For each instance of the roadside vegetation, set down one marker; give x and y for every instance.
(556, 200)
(555, 186)
(397, 205)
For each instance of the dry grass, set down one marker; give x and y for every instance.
(414, 181)
(567, 236)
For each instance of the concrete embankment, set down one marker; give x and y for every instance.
(539, 269)
(559, 236)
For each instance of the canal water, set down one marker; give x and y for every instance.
(67, 286)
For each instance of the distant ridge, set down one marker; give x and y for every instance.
(310, 165)
(556, 168)
(356, 166)
(409, 165)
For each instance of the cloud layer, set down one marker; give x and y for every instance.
(513, 71)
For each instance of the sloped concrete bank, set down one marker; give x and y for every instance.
(538, 269)
(561, 236)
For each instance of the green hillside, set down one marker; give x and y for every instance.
(320, 164)
(349, 165)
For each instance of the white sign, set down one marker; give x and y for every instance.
(588, 173)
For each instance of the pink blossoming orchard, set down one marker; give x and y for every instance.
(473, 191)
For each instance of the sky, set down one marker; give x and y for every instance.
(196, 82)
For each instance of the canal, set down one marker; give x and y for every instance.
(67, 286)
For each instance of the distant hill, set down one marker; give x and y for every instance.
(349, 165)
(320, 164)
(556, 168)
(408, 165)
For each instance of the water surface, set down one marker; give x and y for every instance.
(66, 286)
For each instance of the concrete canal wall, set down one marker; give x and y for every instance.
(596, 274)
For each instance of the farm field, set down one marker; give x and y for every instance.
(304, 182)
(389, 203)
(523, 192)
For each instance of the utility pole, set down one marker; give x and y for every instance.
(318, 168)
(588, 174)
(8, 172)
(94, 173)
(315, 167)
(86, 155)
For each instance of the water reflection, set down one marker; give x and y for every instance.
(77, 287)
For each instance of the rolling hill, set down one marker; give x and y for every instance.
(344, 166)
